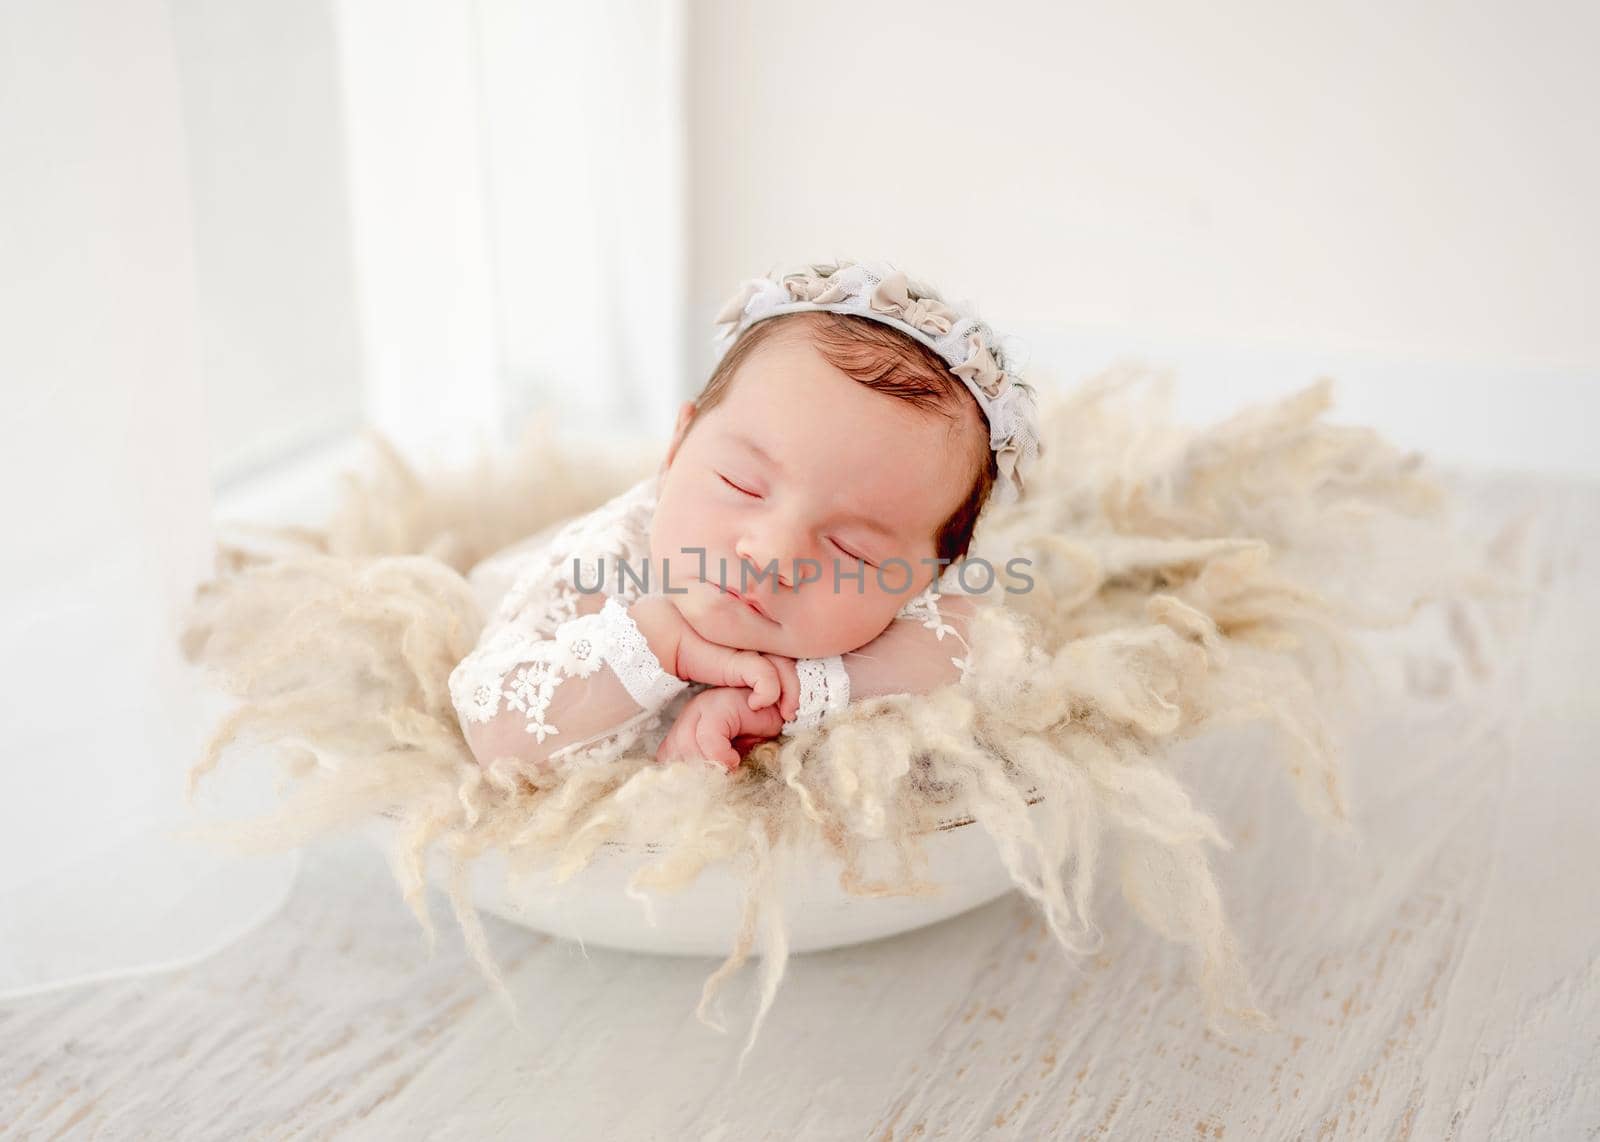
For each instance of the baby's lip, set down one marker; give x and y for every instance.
(745, 599)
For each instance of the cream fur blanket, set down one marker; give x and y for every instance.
(1183, 579)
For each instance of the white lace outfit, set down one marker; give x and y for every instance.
(559, 619)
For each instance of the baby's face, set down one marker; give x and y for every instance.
(797, 463)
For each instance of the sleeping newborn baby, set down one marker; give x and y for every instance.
(793, 550)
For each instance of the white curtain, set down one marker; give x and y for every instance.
(583, 112)
(505, 229)
(516, 177)
(106, 507)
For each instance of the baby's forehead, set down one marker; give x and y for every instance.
(793, 355)
(847, 386)
(956, 426)
(910, 484)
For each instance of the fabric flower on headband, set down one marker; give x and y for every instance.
(893, 296)
(988, 367)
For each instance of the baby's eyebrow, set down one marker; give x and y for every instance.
(759, 451)
(868, 523)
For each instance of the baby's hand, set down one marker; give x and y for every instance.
(789, 684)
(724, 666)
(711, 721)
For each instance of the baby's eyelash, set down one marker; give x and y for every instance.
(835, 542)
(852, 554)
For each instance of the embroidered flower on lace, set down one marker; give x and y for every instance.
(579, 645)
(531, 689)
(483, 701)
(478, 682)
(539, 728)
(924, 608)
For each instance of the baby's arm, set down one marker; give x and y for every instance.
(915, 654)
(605, 671)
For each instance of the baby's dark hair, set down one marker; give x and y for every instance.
(886, 360)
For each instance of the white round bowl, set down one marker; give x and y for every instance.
(703, 918)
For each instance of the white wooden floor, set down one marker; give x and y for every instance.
(1438, 979)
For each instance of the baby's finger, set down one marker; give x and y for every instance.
(762, 678)
(716, 746)
(679, 742)
(670, 748)
(789, 685)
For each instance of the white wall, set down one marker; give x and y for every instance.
(1406, 181)
(432, 215)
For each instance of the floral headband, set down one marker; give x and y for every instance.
(988, 367)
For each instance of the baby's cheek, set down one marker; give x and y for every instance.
(846, 621)
(678, 524)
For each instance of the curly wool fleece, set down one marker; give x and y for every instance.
(1182, 579)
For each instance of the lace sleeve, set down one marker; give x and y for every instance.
(594, 675)
(561, 663)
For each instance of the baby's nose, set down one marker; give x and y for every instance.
(766, 560)
(781, 545)
(759, 571)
